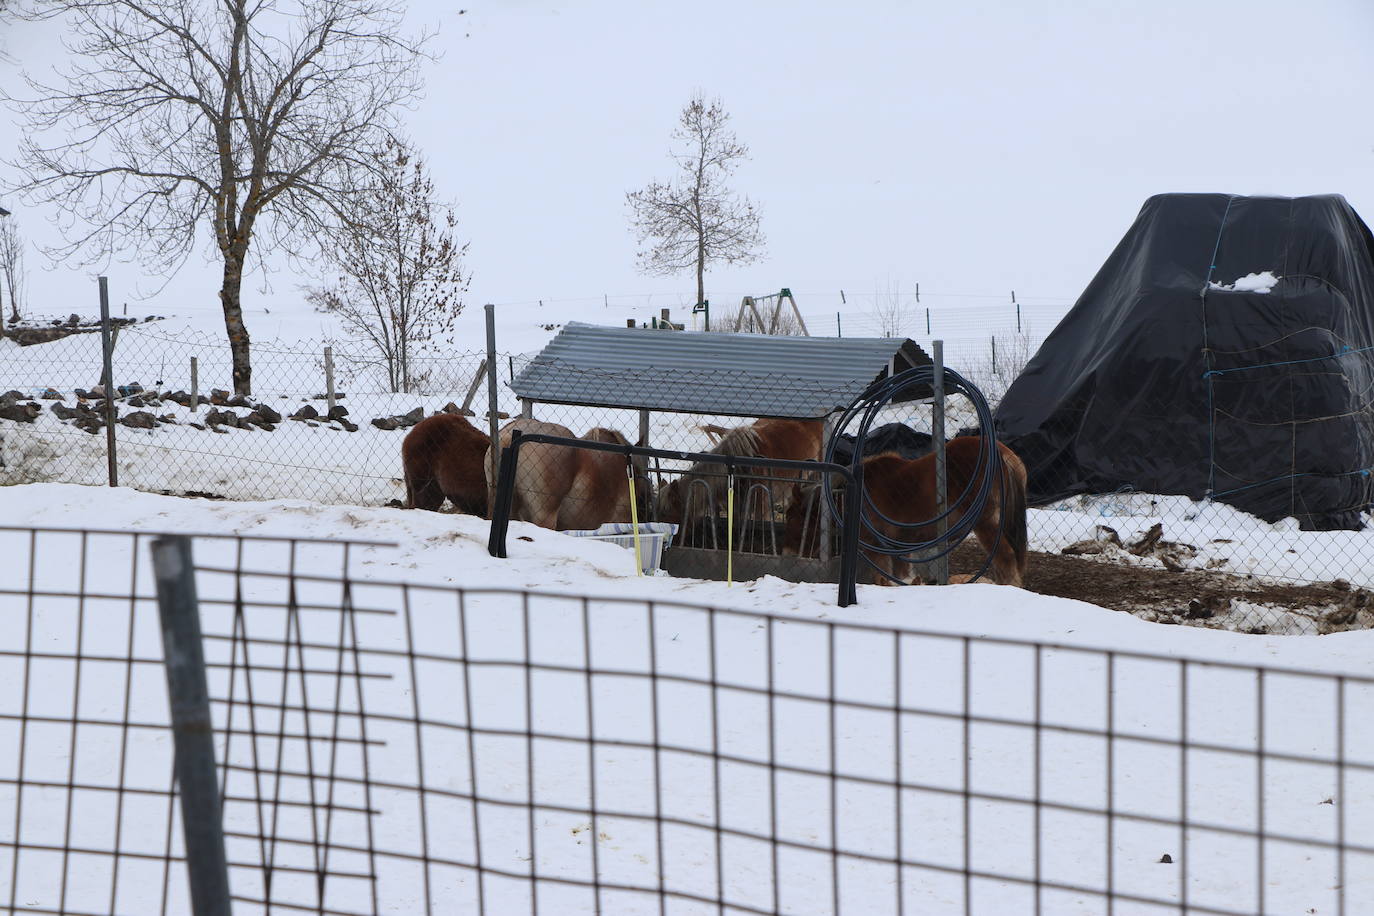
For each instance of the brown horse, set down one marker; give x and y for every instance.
(704, 483)
(442, 457)
(561, 487)
(904, 490)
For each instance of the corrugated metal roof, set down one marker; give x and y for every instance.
(745, 375)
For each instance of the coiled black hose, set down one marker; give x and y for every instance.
(974, 498)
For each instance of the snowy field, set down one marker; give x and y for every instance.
(777, 716)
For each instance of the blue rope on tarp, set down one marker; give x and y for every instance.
(1359, 472)
(1344, 351)
(1207, 353)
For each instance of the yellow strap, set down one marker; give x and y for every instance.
(730, 533)
(634, 519)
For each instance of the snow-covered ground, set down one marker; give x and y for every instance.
(1225, 538)
(941, 652)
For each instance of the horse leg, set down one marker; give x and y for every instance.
(423, 494)
(890, 570)
(1004, 569)
(471, 505)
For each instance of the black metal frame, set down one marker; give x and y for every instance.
(849, 522)
(399, 674)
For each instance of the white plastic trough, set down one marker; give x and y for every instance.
(654, 538)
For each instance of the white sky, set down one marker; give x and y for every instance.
(973, 147)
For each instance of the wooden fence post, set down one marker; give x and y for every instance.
(329, 378)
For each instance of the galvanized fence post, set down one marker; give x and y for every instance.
(192, 732)
(195, 385)
(937, 434)
(107, 355)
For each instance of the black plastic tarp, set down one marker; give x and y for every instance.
(1175, 374)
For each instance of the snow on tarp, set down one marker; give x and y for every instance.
(1261, 282)
(1226, 348)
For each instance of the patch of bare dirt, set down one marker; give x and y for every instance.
(1191, 597)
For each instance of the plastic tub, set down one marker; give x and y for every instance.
(654, 538)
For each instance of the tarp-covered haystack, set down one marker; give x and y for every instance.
(1225, 349)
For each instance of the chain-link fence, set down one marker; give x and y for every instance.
(385, 747)
(321, 424)
(1163, 557)
(1257, 521)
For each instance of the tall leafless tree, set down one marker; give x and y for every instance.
(1004, 359)
(11, 269)
(237, 123)
(400, 268)
(694, 219)
(890, 311)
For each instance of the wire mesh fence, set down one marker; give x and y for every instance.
(387, 747)
(287, 442)
(180, 428)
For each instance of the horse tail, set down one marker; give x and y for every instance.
(1014, 506)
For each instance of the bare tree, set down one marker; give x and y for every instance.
(225, 121)
(400, 268)
(890, 312)
(694, 220)
(1002, 361)
(11, 269)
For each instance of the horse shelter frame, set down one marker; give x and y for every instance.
(510, 456)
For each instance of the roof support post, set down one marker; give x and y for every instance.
(823, 511)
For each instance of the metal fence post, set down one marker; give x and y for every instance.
(192, 731)
(329, 379)
(937, 434)
(503, 498)
(493, 427)
(107, 354)
(195, 386)
(849, 537)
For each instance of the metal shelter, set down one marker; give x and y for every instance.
(743, 375)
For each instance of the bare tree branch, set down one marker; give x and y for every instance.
(181, 122)
(695, 220)
(889, 309)
(401, 277)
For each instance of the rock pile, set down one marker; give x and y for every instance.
(136, 408)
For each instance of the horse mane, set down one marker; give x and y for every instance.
(602, 434)
(740, 442)
(713, 431)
